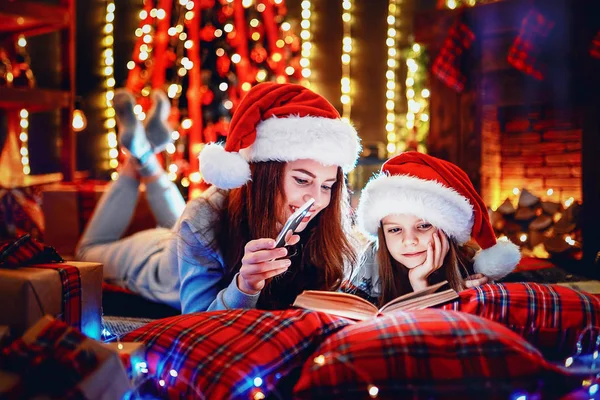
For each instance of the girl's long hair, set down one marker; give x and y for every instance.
(393, 275)
(252, 212)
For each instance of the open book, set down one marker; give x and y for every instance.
(356, 308)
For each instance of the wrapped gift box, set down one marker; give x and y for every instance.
(28, 293)
(83, 368)
(67, 207)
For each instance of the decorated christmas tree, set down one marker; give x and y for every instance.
(206, 55)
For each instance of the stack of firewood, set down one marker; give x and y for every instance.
(543, 229)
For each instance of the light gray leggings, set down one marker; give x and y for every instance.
(138, 262)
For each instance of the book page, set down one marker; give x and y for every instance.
(423, 302)
(336, 303)
(427, 291)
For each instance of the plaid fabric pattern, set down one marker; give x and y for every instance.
(423, 355)
(551, 317)
(595, 46)
(525, 51)
(448, 65)
(53, 364)
(232, 354)
(70, 279)
(26, 250)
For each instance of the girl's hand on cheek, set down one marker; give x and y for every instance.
(436, 253)
(262, 261)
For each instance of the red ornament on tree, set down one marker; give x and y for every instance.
(224, 14)
(223, 65)
(258, 54)
(207, 95)
(234, 39)
(205, 4)
(207, 34)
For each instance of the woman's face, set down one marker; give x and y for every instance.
(303, 180)
(407, 237)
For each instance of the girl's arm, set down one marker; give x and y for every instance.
(203, 278)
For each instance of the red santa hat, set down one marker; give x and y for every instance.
(440, 193)
(279, 122)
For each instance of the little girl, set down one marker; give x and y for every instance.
(420, 214)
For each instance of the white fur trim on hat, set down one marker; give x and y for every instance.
(435, 203)
(498, 260)
(326, 140)
(225, 170)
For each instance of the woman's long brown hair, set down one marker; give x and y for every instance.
(393, 275)
(252, 212)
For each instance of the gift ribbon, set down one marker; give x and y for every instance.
(70, 280)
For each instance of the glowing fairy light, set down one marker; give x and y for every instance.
(391, 115)
(24, 139)
(109, 80)
(373, 391)
(345, 84)
(305, 34)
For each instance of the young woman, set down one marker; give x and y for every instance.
(421, 213)
(286, 145)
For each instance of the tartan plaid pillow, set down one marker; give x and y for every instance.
(551, 317)
(231, 354)
(424, 354)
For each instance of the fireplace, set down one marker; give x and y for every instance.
(536, 148)
(510, 131)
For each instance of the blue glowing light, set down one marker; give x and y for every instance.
(173, 373)
(258, 381)
(593, 389)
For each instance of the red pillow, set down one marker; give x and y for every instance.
(551, 317)
(425, 354)
(231, 354)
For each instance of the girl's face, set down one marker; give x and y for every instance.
(303, 180)
(407, 237)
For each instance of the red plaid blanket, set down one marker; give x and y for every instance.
(232, 354)
(551, 317)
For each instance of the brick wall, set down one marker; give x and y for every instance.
(536, 149)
